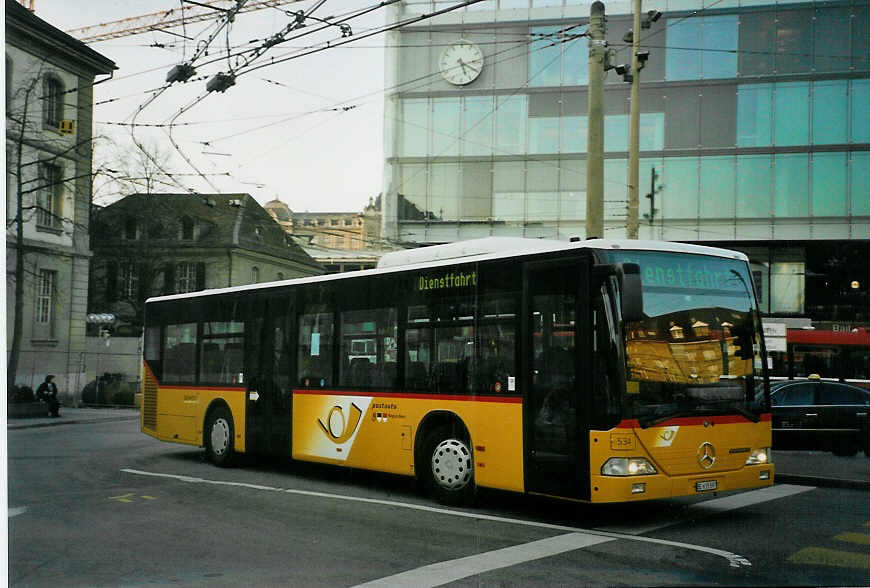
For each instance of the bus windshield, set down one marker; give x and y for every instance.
(697, 351)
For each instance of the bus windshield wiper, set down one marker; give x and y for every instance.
(652, 420)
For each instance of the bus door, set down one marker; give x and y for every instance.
(556, 352)
(270, 355)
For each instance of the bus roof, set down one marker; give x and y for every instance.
(488, 248)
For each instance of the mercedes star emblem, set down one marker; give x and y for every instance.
(706, 455)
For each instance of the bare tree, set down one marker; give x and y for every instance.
(29, 148)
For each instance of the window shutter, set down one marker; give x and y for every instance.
(169, 278)
(111, 281)
(200, 276)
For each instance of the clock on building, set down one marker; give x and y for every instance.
(461, 63)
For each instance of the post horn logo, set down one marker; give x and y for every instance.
(706, 455)
(337, 428)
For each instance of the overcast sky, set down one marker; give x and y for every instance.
(276, 132)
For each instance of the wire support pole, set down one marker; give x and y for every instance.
(634, 130)
(595, 136)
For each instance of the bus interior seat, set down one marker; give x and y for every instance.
(360, 371)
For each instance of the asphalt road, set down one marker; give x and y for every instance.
(100, 504)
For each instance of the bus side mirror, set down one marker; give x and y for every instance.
(631, 295)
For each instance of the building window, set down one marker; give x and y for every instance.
(334, 222)
(185, 277)
(8, 82)
(53, 94)
(186, 229)
(701, 48)
(131, 229)
(348, 222)
(49, 196)
(45, 299)
(255, 275)
(129, 281)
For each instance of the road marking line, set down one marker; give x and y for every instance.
(831, 557)
(717, 506)
(862, 538)
(734, 560)
(14, 512)
(450, 571)
(123, 498)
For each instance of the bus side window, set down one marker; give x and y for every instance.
(368, 348)
(315, 349)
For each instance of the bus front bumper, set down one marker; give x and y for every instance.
(658, 486)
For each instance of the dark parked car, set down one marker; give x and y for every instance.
(820, 414)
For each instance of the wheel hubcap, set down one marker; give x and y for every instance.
(451, 464)
(220, 436)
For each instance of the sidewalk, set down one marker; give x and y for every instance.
(71, 416)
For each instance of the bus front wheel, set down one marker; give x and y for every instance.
(449, 467)
(219, 435)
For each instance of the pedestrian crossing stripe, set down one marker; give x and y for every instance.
(831, 557)
(862, 538)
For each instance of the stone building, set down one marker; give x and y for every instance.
(340, 241)
(49, 105)
(153, 244)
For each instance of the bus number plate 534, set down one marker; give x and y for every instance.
(705, 486)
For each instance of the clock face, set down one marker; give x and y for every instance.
(461, 63)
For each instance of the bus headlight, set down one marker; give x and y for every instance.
(759, 456)
(627, 466)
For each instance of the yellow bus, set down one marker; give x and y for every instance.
(598, 370)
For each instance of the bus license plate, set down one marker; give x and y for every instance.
(705, 486)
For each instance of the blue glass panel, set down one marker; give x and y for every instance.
(545, 62)
(510, 130)
(679, 196)
(576, 62)
(791, 185)
(575, 133)
(754, 115)
(444, 190)
(860, 118)
(543, 134)
(652, 131)
(791, 111)
(415, 127)
(717, 187)
(445, 130)
(719, 58)
(860, 183)
(616, 132)
(683, 49)
(615, 189)
(477, 126)
(829, 184)
(753, 186)
(829, 112)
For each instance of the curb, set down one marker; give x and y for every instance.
(823, 482)
(11, 426)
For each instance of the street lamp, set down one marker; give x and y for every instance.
(103, 320)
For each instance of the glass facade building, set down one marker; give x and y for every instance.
(754, 131)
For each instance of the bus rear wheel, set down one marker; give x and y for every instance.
(219, 436)
(449, 467)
